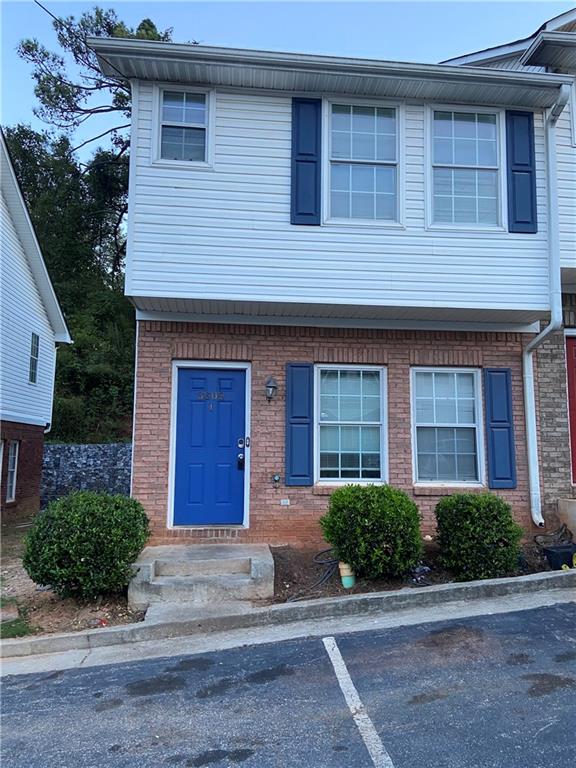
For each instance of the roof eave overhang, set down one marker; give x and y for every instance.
(304, 73)
(551, 49)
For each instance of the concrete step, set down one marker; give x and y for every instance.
(201, 589)
(201, 574)
(204, 567)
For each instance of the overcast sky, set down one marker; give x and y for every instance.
(403, 31)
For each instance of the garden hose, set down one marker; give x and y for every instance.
(326, 558)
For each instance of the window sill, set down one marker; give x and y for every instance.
(207, 166)
(363, 223)
(325, 489)
(445, 489)
(465, 228)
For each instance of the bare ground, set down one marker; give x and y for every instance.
(44, 611)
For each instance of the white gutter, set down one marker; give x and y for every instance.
(555, 289)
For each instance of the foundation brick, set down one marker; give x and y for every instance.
(29, 471)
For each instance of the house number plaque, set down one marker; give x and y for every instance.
(210, 395)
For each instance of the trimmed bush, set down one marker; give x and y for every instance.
(373, 528)
(84, 544)
(477, 536)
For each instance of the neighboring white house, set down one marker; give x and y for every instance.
(31, 325)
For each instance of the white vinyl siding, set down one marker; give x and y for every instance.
(22, 313)
(12, 470)
(350, 423)
(566, 166)
(363, 162)
(465, 174)
(224, 233)
(446, 413)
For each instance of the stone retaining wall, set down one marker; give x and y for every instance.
(69, 468)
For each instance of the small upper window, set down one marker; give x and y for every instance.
(465, 168)
(34, 355)
(183, 128)
(363, 163)
(13, 446)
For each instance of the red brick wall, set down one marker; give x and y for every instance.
(269, 348)
(29, 472)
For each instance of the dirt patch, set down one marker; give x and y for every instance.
(297, 574)
(44, 611)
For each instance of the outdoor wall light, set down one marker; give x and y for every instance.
(271, 388)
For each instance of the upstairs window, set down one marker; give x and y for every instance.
(34, 355)
(363, 163)
(465, 173)
(183, 126)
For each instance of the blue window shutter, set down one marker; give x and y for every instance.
(306, 161)
(299, 423)
(499, 428)
(521, 163)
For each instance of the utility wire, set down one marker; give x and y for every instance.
(72, 31)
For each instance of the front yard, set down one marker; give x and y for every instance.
(40, 611)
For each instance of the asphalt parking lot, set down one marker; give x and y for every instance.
(484, 692)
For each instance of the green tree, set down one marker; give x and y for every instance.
(70, 87)
(78, 210)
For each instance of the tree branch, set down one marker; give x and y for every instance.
(105, 133)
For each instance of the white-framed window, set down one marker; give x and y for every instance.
(34, 356)
(363, 163)
(447, 421)
(184, 122)
(350, 417)
(466, 168)
(13, 447)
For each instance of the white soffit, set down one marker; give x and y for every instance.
(304, 73)
(556, 50)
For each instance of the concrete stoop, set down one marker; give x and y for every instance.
(202, 575)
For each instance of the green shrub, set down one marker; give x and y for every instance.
(477, 536)
(373, 528)
(84, 545)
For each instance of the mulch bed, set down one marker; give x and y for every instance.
(296, 574)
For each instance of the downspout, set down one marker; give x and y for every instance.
(555, 290)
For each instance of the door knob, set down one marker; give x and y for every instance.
(240, 458)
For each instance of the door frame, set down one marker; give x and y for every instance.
(177, 365)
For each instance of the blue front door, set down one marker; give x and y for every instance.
(210, 447)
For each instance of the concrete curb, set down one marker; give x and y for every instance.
(284, 613)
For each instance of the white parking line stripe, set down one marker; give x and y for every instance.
(376, 749)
